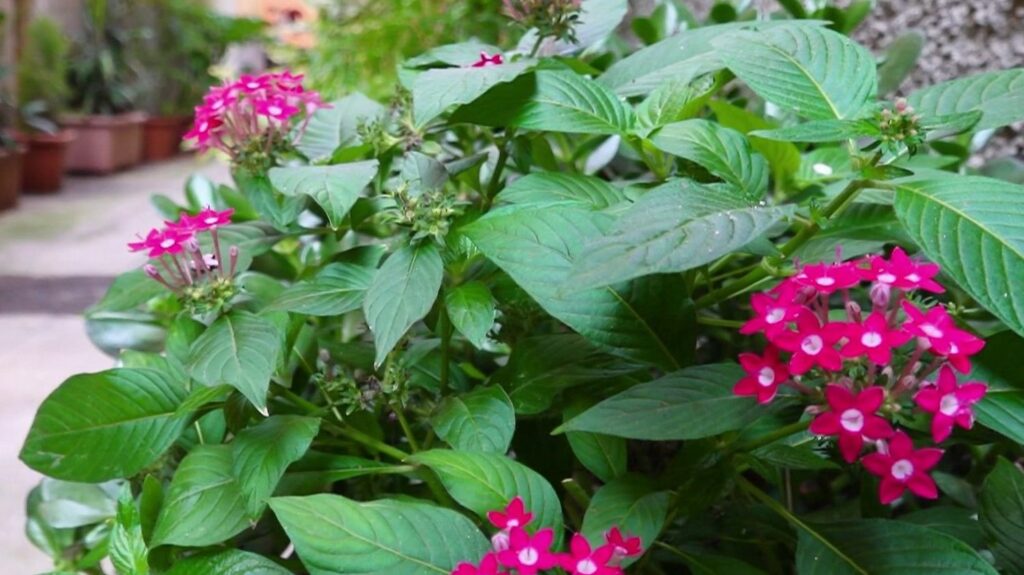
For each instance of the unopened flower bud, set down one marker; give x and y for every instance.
(880, 294)
(901, 105)
(191, 245)
(500, 541)
(853, 310)
(151, 271)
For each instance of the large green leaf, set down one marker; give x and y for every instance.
(128, 291)
(556, 188)
(337, 536)
(725, 153)
(974, 228)
(232, 562)
(882, 547)
(552, 101)
(1002, 514)
(106, 425)
(335, 188)
(672, 102)
(603, 455)
(401, 294)
(630, 503)
(336, 127)
(262, 453)
(783, 157)
(688, 404)
(817, 73)
(536, 246)
(471, 309)
(483, 482)
(998, 95)
(338, 288)
(482, 420)
(241, 350)
(1002, 408)
(128, 550)
(676, 227)
(204, 504)
(435, 90)
(955, 521)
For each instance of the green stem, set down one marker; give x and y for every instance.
(718, 322)
(371, 443)
(499, 167)
(407, 430)
(445, 332)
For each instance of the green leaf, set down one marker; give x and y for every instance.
(689, 404)
(977, 237)
(821, 131)
(482, 420)
(560, 189)
(338, 288)
(882, 547)
(337, 536)
(233, 562)
(128, 550)
(632, 504)
(603, 455)
(724, 152)
(551, 101)
(128, 291)
(783, 157)
(676, 227)
(483, 482)
(861, 229)
(434, 91)
(240, 349)
(998, 95)
(336, 127)
(673, 101)
(66, 504)
(1002, 408)
(251, 239)
(471, 309)
(106, 425)
(402, 293)
(261, 454)
(954, 521)
(793, 457)
(1002, 514)
(817, 73)
(900, 58)
(536, 246)
(204, 504)
(335, 188)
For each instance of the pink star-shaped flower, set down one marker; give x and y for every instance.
(764, 375)
(938, 330)
(583, 560)
(902, 467)
(514, 515)
(160, 242)
(949, 403)
(874, 339)
(812, 344)
(207, 219)
(527, 554)
(204, 127)
(852, 418)
(276, 108)
(488, 566)
(623, 546)
(828, 278)
(250, 84)
(902, 272)
(773, 314)
(486, 60)
(218, 99)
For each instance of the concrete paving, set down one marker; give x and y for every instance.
(66, 243)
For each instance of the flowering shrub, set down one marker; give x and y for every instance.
(570, 306)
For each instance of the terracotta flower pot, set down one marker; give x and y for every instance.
(10, 176)
(105, 143)
(162, 137)
(42, 170)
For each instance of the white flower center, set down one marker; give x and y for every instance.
(217, 104)
(886, 278)
(826, 281)
(775, 315)
(931, 331)
(167, 243)
(902, 470)
(528, 556)
(852, 420)
(275, 110)
(253, 85)
(949, 404)
(954, 349)
(210, 220)
(204, 126)
(766, 376)
(871, 339)
(586, 567)
(512, 523)
(914, 277)
(812, 345)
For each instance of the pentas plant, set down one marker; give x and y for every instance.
(870, 363)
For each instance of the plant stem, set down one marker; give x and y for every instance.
(407, 430)
(499, 167)
(718, 322)
(446, 344)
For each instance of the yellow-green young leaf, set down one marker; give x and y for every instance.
(998, 95)
(241, 350)
(337, 536)
(204, 505)
(483, 482)
(804, 67)
(1002, 514)
(401, 293)
(106, 425)
(724, 152)
(128, 550)
(692, 403)
(261, 454)
(335, 188)
(883, 547)
(631, 503)
(974, 228)
(337, 126)
(471, 309)
(338, 288)
(233, 562)
(436, 90)
(482, 420)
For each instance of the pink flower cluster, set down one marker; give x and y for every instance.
(176, 248)
(253, 108)
(868, 366)
(525, 554)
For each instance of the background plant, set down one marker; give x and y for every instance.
(42, 75)
(525, 277)
(102, 73)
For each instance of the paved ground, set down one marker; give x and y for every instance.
(57, 254)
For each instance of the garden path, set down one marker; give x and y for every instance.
(57, 255)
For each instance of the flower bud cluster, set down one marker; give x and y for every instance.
(551, 18)
(900, 126)
(428, 213)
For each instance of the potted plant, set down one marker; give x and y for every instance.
(108, 126)
(43, 93)
(11, 151)
(184, 41)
